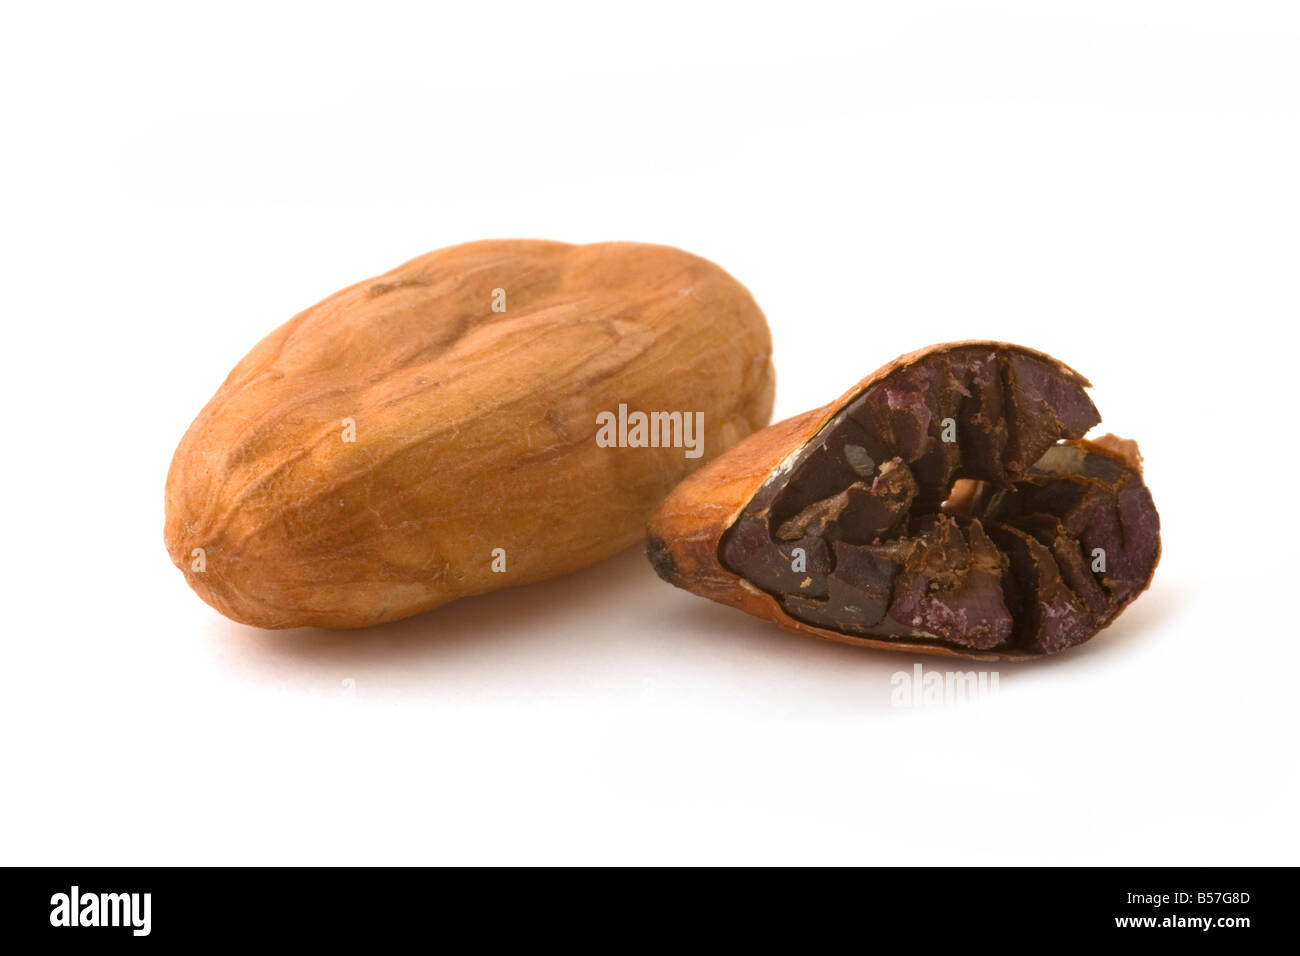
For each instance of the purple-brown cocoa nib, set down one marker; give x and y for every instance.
(859, 536)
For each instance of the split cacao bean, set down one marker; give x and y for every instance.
(947, 504)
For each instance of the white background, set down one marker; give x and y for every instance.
(1115, 183)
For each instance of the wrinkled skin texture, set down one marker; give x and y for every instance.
(475, 429)
(945, 505)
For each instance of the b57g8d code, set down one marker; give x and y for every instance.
(1201, 899)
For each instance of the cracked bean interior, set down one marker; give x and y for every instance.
(953, 502)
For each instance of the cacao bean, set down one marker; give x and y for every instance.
(433, 433)
(946, 504)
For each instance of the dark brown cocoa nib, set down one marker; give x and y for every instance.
(1038, 548)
